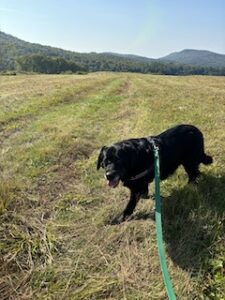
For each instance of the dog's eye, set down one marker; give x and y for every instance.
(105, 163)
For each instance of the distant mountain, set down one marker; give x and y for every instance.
(16, 54)
(196, 58)
(11, 48)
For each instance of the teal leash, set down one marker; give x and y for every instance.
(159, 234)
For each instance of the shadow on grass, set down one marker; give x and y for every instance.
(140, 215)
(194, 223)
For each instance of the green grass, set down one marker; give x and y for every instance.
(56, 237)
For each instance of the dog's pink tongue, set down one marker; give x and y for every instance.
(110, 183)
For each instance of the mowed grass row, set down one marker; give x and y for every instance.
(57, 241)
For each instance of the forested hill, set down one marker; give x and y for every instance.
(196, 58)
(18, 55)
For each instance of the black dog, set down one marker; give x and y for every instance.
(132, 161)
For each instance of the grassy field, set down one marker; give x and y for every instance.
(56, 237)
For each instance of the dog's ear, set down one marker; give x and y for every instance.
(100, 157)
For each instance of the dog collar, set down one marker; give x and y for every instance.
(140, 175)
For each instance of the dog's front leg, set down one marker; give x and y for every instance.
(134, 197)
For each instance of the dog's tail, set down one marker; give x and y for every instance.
(206, 159)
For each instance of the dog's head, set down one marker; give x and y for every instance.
(111, 159)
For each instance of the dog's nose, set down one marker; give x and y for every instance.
(110, 175)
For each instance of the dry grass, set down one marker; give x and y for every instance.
(57, 240)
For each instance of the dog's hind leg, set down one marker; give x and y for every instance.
(192, 171)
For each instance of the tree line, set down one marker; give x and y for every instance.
(56, 64)
(46, 64)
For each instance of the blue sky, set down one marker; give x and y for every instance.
(151, 28)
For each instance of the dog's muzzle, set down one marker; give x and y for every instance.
(112, 178)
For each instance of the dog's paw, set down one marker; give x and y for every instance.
(120, 219)
(116, 220)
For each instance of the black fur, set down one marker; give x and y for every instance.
(123, 161)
